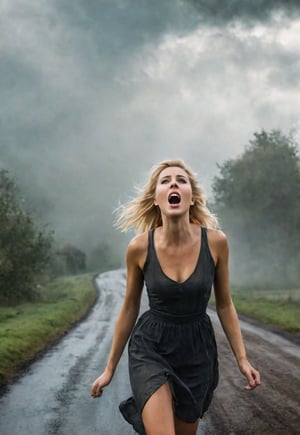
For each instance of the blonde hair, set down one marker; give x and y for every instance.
(141, 213)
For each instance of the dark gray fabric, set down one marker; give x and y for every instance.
(174, 340)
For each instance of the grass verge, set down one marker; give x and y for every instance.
(280, 308)
(27, 329)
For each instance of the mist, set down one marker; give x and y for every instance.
(94, 93)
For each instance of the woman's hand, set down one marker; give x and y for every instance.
(100, 383)
(252, 375)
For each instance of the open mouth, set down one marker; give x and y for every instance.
(174, 198)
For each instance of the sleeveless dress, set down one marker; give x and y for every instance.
(174, 340)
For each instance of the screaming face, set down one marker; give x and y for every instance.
(173, 192)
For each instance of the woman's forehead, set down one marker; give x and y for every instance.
(173, 170)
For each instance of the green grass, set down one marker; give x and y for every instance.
(26, 329)
(279, 308)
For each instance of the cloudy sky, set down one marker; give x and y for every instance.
(94, 92)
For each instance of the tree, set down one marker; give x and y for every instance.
(257, 198)
(102, 258)
(73, 260)
(24, 250)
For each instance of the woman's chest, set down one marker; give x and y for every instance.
(178, 263)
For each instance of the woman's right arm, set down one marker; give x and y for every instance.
(127, 315)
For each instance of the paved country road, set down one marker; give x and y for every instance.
(53, 396)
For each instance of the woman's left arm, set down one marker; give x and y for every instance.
(227, 313)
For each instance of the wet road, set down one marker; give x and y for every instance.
(53, 396)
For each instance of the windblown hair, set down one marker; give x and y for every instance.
(141, 214)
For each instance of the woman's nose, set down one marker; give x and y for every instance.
(174, 184)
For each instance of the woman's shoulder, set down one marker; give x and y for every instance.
(137, 247)
(139, 241)
(217, 237)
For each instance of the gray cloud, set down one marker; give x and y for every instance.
(231, 10)
(94, 93)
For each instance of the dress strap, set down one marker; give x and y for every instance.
(149, 249)
(150, 239)
(204, 239)
(205, 245)
(204, 235)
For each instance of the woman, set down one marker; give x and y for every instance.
(179, 254)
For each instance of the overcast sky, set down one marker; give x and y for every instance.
(94, 92)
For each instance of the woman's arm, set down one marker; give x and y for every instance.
(126, 318)
(227, 313)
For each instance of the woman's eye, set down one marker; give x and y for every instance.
(182, 180)
(164, 181)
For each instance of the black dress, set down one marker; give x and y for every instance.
(174, 340)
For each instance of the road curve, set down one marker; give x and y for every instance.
(53, 396)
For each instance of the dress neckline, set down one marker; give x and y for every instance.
(161, 269)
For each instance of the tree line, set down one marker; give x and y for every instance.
(256, 197)
(30, 255)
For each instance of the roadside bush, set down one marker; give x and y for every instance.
(24, 250)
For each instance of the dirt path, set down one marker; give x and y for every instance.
(274, 407)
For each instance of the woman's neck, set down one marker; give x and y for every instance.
(174, 232)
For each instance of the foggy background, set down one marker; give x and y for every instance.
(93, 93)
